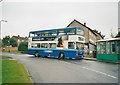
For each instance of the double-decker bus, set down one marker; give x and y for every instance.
(59, 43)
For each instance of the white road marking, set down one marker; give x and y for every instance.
(99, 72)
(93, 70)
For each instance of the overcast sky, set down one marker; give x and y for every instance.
(25, 16)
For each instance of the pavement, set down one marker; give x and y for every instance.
(107, 61)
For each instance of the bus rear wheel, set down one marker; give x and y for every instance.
(61, 56)
(36, 54)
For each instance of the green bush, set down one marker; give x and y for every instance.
(23, 47)
(13, 42)
(7, 41)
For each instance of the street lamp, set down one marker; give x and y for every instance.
(3, 21)
(1, 27)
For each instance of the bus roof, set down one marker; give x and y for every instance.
(110, 39)
(54, 29)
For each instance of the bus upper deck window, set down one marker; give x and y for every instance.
(80, 31)
(71, 31)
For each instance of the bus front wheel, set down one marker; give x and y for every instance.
(36, 54)
(61, 56)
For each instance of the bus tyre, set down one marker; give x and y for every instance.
(61, 56)
(36, 54)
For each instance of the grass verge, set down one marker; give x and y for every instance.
(0, 72)
(12, 51)
(5, 57)
(14, 72)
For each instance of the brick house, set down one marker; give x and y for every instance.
(20, 39)
(91, 36)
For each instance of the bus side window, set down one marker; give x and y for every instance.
(52, 45)
(44, 45)
(38, 45)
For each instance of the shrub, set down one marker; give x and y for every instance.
(23, 46)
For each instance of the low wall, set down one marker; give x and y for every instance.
(8, 48)
(114, 57)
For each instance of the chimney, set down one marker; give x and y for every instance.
(84, 23)
(118, 30)
(18, 36)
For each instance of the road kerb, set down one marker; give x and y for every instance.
(115, 62)
(27, 71)
(28, 74)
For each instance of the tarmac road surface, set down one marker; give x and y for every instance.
(50, 70)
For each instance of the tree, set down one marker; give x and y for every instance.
(13, 42)
(118, 35)
(0, 43)
(6, 41)
(23, 46)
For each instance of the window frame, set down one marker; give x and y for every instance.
(71, 45)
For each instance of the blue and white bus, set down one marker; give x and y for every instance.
(59, 43)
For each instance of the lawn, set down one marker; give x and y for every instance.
(12, 51)
(0, 72)
(14, 72)
(5, 57)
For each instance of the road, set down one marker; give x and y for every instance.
(49, 70)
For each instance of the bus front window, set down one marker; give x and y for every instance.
(79, 46)
(71, 45)
(31, 34)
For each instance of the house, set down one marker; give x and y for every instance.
(20, 39)
(99, 36)
(91, 36)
